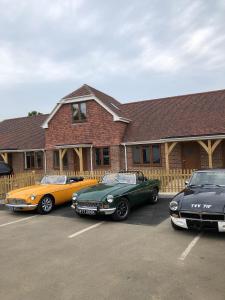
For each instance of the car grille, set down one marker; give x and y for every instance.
(196, 224)
(202, 216)
(89, 204)
(15, 201)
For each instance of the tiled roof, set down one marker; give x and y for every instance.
(22, 133)
(180, 116)
(107, 100)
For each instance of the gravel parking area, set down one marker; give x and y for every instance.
(63, 256)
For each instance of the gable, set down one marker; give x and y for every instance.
(87, 93)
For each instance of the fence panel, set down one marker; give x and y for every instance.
(171, 181)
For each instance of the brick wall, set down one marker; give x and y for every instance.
(217, 158)
(99, 129)
(18, 162)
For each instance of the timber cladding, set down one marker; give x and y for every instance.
(99, 129)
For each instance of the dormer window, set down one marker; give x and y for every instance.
(79, 112)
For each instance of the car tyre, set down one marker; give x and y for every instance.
(45, 205)
(122, 210)
(154, 196)
(175, 227)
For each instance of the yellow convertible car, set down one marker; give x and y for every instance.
(52, 190)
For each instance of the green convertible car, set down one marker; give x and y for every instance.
(116, 194)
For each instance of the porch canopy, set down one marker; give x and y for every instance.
(208, 143)
(78, 148)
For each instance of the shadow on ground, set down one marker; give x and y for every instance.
(142, 215)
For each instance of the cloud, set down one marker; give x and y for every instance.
(52, 41)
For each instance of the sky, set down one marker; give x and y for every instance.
(130, 49)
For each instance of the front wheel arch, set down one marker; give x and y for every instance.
(39, 207)
(50, 196)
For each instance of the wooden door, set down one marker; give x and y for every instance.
(191, 155)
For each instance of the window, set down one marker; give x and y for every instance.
(156, 159)
(147, 155)
(56, 164)
(79, 112)
(102, 156)
(34, 160)
(136, 155)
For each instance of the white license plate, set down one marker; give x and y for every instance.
(86, 212)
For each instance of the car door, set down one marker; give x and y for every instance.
(140, 193)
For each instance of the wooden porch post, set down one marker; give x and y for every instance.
(167, 157)
(168, 150)
(79, 152)
(210, 149)
(210, 153)
(62, 153)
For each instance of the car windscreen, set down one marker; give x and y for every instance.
(54, 179)
(127, 178)
(205, 179)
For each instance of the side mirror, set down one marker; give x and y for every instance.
(186, 183)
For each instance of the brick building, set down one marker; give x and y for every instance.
(89, 130)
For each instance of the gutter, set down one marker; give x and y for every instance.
(178, 139)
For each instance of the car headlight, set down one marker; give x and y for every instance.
(110, 198)
(173, 205)
(33, 197)
(74, 197)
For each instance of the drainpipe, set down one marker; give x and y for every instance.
(91, 150)
(45, 162)
(125, 153)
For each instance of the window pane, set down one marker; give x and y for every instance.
(146, 155)
(106, 159)
(75, 112)
(98, 157)
(32, 160)
(39, 160)
(136, 155)
(83, 112)
(156, 154)
(56, 159)
(28, 166)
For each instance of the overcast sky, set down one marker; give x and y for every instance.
(130, 49)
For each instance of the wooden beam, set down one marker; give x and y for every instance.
(60, 160)
(216, 143)
(210, 153)
(167, 156)
(171, 147)
(210, 148)
(64, 152)
(79, 152)
(204, 146)
(5, 157)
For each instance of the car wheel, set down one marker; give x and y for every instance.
(45, 205)
(154, 196)
(175, 226)
(122, 210)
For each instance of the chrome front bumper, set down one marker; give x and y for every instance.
(181, 222)
(21, 206)
(106, 211)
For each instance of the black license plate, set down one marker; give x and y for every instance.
(86, 212)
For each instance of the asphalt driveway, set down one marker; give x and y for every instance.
(62, 256)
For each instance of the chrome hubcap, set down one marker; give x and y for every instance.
(46, 204)
(122, 209)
